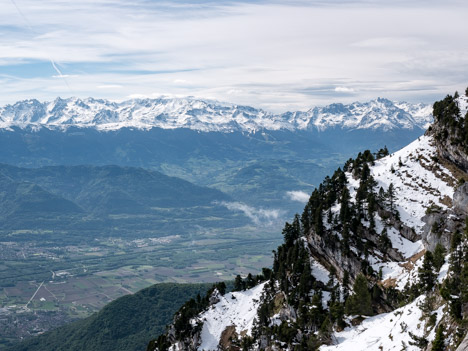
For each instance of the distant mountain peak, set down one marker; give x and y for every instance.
(209, 115)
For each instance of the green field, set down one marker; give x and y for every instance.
(78, 279)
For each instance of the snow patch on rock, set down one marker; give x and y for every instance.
(387, 331)
(237, 309)
(417, 187)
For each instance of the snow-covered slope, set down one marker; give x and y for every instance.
(238, 309)
(463, 104)
(419, 181)
(206, 115)
(387, 331)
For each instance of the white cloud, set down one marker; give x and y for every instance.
(109, 86)
(65, 76)
(298, 195)
(260, 216)
(272, 55)
(138, 96)
(344, 90)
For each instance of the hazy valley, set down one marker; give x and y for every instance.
(174, 205)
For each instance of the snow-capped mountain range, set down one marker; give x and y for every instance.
(209, 116)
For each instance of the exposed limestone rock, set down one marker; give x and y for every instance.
(452, 153)
(464, 345)
(214, 298)
(189, 343)
(441, 224)
(460, 199)
(227, 336)
(404, 230)
(448, 148)
(328, 253)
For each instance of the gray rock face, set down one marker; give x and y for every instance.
(447, 149)
(464, 345)
(327, 251)
(453, 154)
(460, 199)
(287, 312)
(435, 231)
(189, 343)
(440, 225)
(214, 298)
(404, 230)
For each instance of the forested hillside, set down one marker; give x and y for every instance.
(125, 324)
(376, 261)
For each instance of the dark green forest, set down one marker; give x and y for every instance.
(125, 324)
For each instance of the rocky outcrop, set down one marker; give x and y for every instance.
(460, 199)
(327, 251)
(439, 228)
(448, 133)
(441, 224)
(225, 342)
(464, 345)
(189, 343)
(453, 153)
(392, 220)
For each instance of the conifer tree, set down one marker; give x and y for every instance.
(391, 195)
(464, 271)
(306, 280)
(345, 242)
(371, 207)
(439, 341)
(325, 330)
(329, 216)
(384, 241)
(426, 274)
(365, 172)
(305, 218)
(464, 284)
(290, 233)
(250, 282)
(382, 152)
(345, 285)
(344, 211)
(361, 302)
(238, 283)
(439, 257)
(319, 221)
(221, 286)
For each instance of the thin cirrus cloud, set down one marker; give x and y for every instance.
(269, 54)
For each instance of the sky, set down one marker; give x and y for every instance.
(275, 55)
